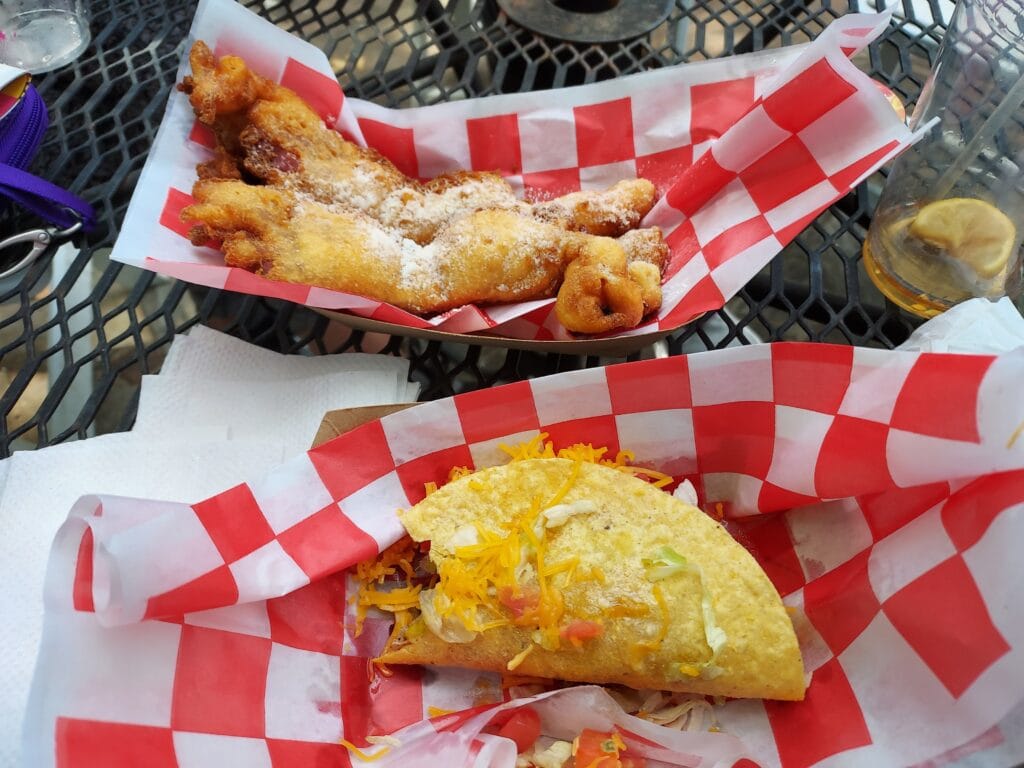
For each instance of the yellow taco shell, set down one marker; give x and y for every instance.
(620, 525)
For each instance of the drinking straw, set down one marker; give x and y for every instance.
(1014, 99)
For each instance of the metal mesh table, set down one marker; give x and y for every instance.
(77, 332)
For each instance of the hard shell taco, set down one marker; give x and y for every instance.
(577, 570)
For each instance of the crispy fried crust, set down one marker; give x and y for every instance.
(267, 134)
(598, 294)
(607, 213)
(273, 232)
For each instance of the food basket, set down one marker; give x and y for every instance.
(745, 151)
(881, 491)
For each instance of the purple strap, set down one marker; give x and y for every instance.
(53, 203)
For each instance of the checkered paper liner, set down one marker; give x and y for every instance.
(882, 492)
(745, 152)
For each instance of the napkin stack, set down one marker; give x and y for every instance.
(220, 411)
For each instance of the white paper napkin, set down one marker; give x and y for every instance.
(220, 411)
(207, 354)
(976, 326)
(232, 409)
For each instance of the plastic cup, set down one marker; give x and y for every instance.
(950, 220)
(41, 35)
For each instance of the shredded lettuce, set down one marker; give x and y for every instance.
(448, 628)
(558, 514)
(666, 562)
(713, 634)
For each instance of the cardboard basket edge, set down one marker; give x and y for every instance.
(338, 422)
(619, 346)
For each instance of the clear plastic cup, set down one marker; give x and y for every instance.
(950, 220)
(40, 35)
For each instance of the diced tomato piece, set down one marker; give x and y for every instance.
(523, 727)
(633, 762)
(597, 749)
(526, 601)
(578, 630)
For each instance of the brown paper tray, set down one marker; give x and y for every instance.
(335, 423)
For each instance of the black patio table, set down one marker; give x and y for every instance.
(77, 332)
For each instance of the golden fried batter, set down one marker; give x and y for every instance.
(645, 245)
(646, 257)
(598, 294)
(329, 213)
(282, 140)
(610, 212)
(485, 257)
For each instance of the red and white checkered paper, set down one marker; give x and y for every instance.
(219, 633)
(745, 152)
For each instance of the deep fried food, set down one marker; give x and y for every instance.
(254, 226)
(485, 257)
(293, 200)
(282, 141)
(646, 256)
(645, 245)
(611, 212)
(598, 294)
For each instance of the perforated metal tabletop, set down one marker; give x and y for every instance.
(77, 332)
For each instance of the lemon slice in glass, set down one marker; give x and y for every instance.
(971, 231)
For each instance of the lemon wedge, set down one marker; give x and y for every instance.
(971, 231)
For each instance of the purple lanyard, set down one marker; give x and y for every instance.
(48, 201)
(21, 133)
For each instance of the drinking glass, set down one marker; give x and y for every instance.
(950, 219)
(40, 35)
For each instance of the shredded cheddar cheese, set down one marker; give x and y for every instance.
(479, 587)
(534, 448)
(481, 579)
(458, 472)
(627, 609)
(396, 600)
(665, 618)
(373, 573)
(363, 756)
(563, 566)
(516, 660)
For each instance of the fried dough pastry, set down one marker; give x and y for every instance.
(598, 294)
(487, 256)
(282, 140)
(293, 200)
(610, 212)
